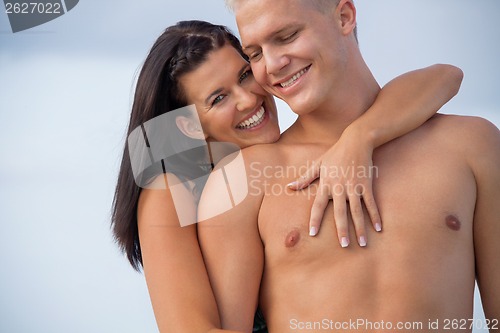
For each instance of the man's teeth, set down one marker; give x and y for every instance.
(293, 79)
(253, 121)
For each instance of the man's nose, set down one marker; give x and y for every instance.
(275, 61)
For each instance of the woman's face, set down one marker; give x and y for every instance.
(231, 105)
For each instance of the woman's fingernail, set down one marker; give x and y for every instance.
(378, 227)
(313, 231)
(344, 242)
(292, 184)
(362, 241)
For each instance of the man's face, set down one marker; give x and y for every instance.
(296, 51)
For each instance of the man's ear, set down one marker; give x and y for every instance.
(347, 14)
(190, 128)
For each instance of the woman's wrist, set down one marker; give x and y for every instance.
(362, 133)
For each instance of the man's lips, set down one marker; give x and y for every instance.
(292, 79)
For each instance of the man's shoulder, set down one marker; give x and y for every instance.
(229, 187)
(475, 138)
(456, 131)
(464, 130)
(261, 151)
(464, 122)
(464, 138)
(264, 154)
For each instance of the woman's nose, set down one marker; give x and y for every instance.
(246, 100)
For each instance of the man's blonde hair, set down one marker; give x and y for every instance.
(231, 4)
(321, 5)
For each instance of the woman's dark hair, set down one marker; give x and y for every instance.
(179, 50)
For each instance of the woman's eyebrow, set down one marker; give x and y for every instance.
(214, 93)
(219, 90)
(242, 70)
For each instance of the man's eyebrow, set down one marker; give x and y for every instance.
(272, 34)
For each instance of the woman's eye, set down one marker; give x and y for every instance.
(218, 99)
(245, 75)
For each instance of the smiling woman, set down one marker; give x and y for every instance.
(231, 105)
(146, 221)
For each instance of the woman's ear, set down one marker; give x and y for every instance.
(347, 14)
(190, 128)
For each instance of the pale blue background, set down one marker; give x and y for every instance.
(65, 97)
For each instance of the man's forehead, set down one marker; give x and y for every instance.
(258, 20)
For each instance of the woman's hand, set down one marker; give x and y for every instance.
(345, 173)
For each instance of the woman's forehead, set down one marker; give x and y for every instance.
(220, 69)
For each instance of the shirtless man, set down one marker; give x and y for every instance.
(437, 189)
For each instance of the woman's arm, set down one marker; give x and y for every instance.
(175, 273)
(402, 105)
(407, 102)
(231, 243)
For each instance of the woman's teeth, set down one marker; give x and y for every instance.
(253, 121)
(293, 79)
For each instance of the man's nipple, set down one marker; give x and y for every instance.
(453, 222)
(292, 238)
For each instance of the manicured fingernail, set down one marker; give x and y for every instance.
(313, 231)
(362, 241)
(293, 184)
(344, 242)
(378, 227)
